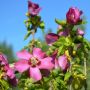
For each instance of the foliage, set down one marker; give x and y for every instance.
(8, 51)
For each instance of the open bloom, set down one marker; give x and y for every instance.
(33, 8)
(3, 59)
(73, 15)
(33, 63)
(9, 73)
(80, 32)
(61, 62)
(51, 38)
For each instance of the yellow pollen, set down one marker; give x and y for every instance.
(34, 61)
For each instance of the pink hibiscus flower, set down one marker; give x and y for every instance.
(61, 62)
(33, 63)
(9, 73)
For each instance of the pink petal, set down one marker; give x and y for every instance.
(56, 64)
(10, 73)
(63, 62)
(37, 52)
(21, 65)
(35, 73)
(46, 63)
(24, 55)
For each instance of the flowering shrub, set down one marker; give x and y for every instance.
(61, 67)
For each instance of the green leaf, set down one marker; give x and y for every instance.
(42, 25)
(56, 72)
(68, 41)
(61, 50)
(60, 22)
(67, 76)
(27, 35)
(4, 85)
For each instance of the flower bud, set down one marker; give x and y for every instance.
(33, 8)
(80, 32)
(73, 15)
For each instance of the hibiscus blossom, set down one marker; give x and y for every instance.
(60, 62)
(33, 63)
(9, 73)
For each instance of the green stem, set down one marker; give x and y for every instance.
(70, 87)
(33, 40)
(85, 72)
(85, 67)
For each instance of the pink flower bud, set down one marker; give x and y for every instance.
(73, 15)
(33, 8)
(80, 32)
(51, 38)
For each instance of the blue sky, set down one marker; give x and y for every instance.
(12, 16)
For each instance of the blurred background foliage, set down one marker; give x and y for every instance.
(8, 51)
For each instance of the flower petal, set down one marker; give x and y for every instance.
(46, 63)
(63, 63)
(35, 73)
(24, 55)
(56, 64)
(37, 52)
(21, 65)
(10, 73)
